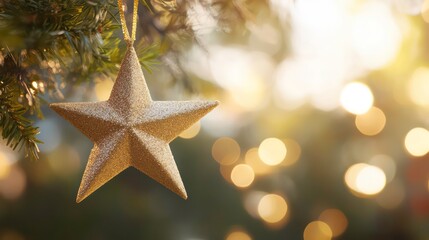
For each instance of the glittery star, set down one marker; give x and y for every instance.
(129, 129)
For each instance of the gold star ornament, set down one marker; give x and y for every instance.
(130, 129)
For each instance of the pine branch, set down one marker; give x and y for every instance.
(16, 129)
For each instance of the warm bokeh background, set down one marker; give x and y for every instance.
(322, 133)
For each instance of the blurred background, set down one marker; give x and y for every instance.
(322, 133)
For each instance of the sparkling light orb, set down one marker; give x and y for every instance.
(372, 122)
(272, 208)
(356, 98)
(242, 175)
(272, 151)
(365, 179)
(417, 142)
(35, 84)
(226, 151)
(371, 180)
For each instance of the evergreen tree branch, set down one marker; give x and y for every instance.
(16, 129)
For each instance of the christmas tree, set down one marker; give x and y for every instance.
(321, 132)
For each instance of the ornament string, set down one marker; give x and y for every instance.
(127, 37)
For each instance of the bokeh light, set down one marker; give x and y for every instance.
(370, 180)
(317, 230)
(372, 122)
(35, 84)
(238, 234)
(356, 98)
(272, 151)
(192, 131)
(242, 175)
(336, 221)
(418, 86)
(365, 179)
(417, 142)
(376, 35)
(226, 151)
(272, 208)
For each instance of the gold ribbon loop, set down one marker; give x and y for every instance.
(124, 22)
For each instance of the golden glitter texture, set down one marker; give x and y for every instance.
(130, 129)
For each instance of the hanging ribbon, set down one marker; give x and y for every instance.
(127, 37)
